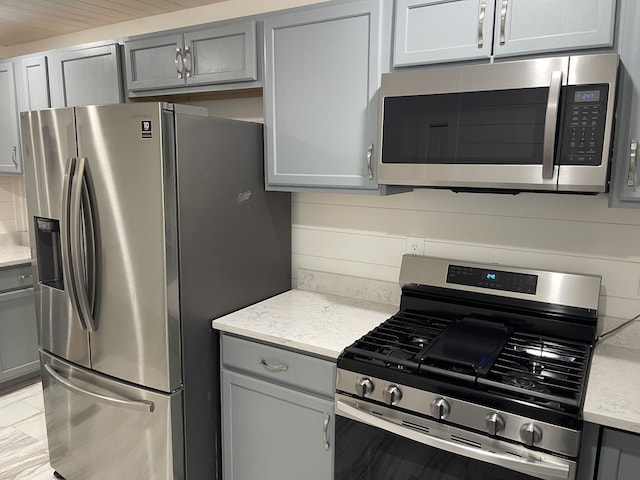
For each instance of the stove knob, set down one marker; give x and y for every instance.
(494, 423)
(530, 434)
(364, 386)
(440, 408)
(392, 395)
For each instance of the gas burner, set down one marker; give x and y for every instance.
(525, 381)
(396, 353)
(420, 341)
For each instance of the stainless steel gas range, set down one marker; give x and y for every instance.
(480, 375)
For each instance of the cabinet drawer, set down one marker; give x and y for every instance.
(15, 277)
(296, 369)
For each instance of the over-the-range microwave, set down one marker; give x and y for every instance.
(541, 124)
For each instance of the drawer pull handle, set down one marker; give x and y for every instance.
(24, 277)
(279, 367)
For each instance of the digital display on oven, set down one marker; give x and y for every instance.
(586, 96)
(492, 279)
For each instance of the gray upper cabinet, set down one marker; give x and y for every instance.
(9, 140)
(625, 179)
(88, 75)
(219, 54)
(322, 74)
(619, 455)
(432, 31)
(32, 83)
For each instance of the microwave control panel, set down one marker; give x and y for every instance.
(584, 124)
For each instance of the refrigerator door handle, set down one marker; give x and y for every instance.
(142, 405)
(76, 210)
(65, 233)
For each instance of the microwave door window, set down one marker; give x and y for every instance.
(481, 128)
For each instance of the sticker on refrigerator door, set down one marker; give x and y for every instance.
(145, 128)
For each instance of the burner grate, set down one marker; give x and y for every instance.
(542, 368)
(398, 341)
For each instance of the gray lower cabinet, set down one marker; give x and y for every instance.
(625, 178)
(277, 413)
(322, 74)
(10, 162)
(224, 53)
(86, 75)
(18, 332)
(432, 31)
(619, 456)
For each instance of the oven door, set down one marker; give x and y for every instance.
(373, 442)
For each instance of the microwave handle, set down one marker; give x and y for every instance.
(551, 124)
(633, 158)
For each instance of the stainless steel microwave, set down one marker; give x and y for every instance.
(529, 125)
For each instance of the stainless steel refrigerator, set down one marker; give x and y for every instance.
(148, 221)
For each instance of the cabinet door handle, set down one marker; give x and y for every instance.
(483, 11)
(274, 367)
(325, 431)
(187, 58)
(369, 154)
(14, 152)
(179, 62)
(24, 277)
(503, 21)
(633, 156)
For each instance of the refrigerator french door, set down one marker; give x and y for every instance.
(149, 220)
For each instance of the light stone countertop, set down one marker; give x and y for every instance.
(324, 324)
(313, 322)
(14, 255)
(613, 391)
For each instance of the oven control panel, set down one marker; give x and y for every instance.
(492, 279)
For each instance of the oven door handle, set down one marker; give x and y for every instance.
(538, 468)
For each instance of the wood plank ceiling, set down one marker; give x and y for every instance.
(23, 21)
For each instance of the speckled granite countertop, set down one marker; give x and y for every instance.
(13, 254)
(613, 391)
(313, 322)
(325, 323)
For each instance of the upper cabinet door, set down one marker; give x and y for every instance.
(10, 162)
(533, 26)
(625, 177)
(86, 76)
(434, 31)
(322, 72)
(221, 54)
(156, 62)
(32, 84)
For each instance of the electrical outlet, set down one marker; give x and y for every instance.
(414, 245)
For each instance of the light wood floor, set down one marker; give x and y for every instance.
(23, 437)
